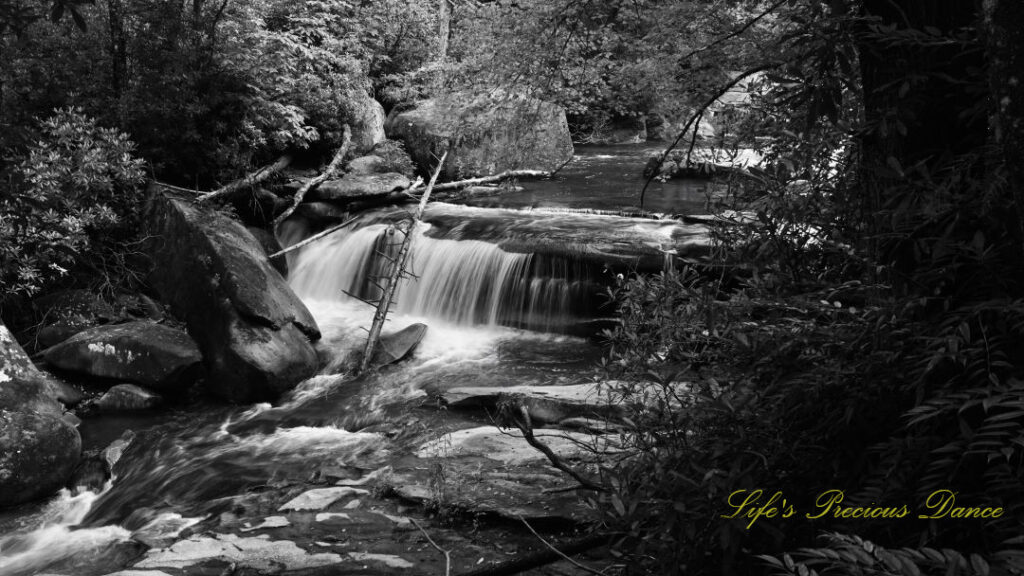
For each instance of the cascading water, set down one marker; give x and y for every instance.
(479, 273)
(459, 281)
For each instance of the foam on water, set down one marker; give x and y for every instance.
(50, 536)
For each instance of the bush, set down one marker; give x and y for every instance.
(71, 199)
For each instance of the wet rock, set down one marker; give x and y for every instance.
(509, 447)
(389, 560)
(258, 553)
(321, 498)
(155, 356)
(495, 134)
(487, 470)
(253, 331)
(127, 398)
(164, 529)
(90, 475)
(352, 187)
(269, 522)
(396, 346)
(546, 404)
(39, 449)
(365, 165)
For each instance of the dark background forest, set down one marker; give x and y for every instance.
(863, 331)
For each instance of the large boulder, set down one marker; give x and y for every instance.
(487, 135)
(38, 448)
(155, 356)
(253, 331)
(366, 119)
(352, 187)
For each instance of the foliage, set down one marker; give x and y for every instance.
(869, 339)
(71, 199)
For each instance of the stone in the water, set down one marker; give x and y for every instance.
(386, 559)
(352, 187)
(546, 404)
(127, 398)
(38, 453)
(39, 449)
(394, 347)
(258, 553)
(253, 331)
(269, 522)
(320, 498)
(153, 355)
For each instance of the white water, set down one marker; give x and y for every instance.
(462, 282)
(49, 537)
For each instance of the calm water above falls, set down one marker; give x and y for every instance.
(482, 274)
(608, 178)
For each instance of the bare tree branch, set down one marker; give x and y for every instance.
(248, 181)
(346, 141)
(447, 553)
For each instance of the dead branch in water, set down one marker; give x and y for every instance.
(313, 238)
(447, 553)
(346, 141)
(390, 283)
(487, 179)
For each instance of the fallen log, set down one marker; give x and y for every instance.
(249, 180)
(488, 179)
(313, 238)
(346, 141)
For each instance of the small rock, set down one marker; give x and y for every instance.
(269, 522)
(389, 560)
(354, 187)
(128, 398)
(320, 498)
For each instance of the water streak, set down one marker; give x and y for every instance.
(464, 282)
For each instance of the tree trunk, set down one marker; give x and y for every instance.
(444, 19)
(118, 59)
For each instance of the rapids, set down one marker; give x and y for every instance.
(502, 289)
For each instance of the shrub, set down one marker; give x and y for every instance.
(70, 199)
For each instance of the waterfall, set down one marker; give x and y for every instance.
(464, 281)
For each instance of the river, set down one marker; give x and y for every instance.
(511, 286)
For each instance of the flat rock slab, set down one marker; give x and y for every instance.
(508, 446)
(353, 187)
(256, 552)
(486, 470)
(155, 356)
(321, 498)
(546, 404)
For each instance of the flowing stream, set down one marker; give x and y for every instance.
(506, 286)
